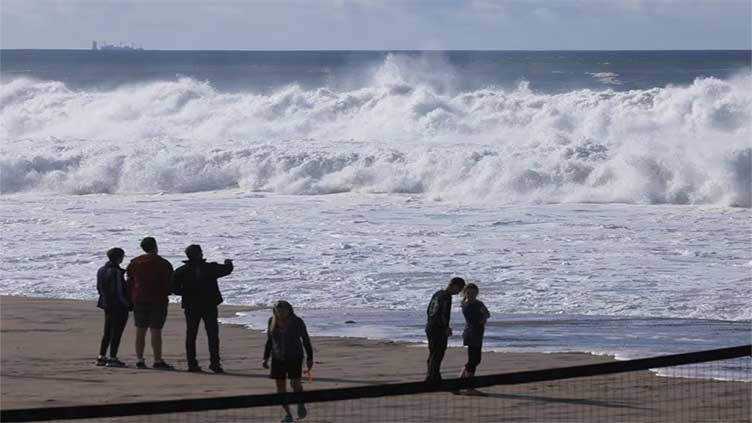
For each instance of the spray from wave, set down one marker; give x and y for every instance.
(406, 132)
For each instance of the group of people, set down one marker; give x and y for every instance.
(438, 329)
(145, 285)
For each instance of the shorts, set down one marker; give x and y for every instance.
(150, 315)
(473, 357)
(290, 369)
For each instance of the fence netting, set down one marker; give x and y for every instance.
(708, 391)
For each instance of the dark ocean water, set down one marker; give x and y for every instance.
(262, 71)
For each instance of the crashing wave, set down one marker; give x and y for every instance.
(676, 144)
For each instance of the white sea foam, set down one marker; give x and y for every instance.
(408, 131)
(360, 251)
(608, 78)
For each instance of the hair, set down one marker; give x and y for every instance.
(115, 253)
(193, 251)
(458, 282)
(148, 244)
(276, 308)
(468, 287)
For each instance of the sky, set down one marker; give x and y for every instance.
(379, 24)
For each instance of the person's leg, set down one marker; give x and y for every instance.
(438, 356)
(140, 343)
(473, 359)
(156, 344)
(429, 360)
(141, 314)
(282, 388)
(120, 319)
(157, 321)
(106, 335)
(437, 344)
(211, 324)
(295, 374)
(463, 373)
(192, 320)
(297, 386)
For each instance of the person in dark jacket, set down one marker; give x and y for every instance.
(438, 330)
(476, 315)
(196, 282)
(286, 338)
(149, 286)
(113, 299)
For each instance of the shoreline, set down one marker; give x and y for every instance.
(339, 361)
(639, 337)
(48, 348)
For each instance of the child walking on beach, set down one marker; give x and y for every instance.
(476, 315)
(286, 339)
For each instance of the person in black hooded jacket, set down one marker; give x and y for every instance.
(196, 282)
(113, 299)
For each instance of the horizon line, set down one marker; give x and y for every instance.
(388, 50)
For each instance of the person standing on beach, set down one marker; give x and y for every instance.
(113, 299)
(476, 315)
(437, 326)
(149, 283)
(286, 338)
(196, 282)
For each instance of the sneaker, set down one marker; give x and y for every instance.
(216, 368)
(195, 369)
(141, 365)
(287, 419)
(114, 362)
(101, 361)
(161, 365)
(302, 412)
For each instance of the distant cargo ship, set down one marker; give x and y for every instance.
(115, 47)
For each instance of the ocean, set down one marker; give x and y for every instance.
(601, 200)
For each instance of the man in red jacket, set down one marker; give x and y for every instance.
(149, 285)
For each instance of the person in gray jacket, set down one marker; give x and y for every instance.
(113, 299)
(286, 338)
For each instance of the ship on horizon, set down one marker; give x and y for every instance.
(115, 47)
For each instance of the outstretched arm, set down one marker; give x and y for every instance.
(221, 270)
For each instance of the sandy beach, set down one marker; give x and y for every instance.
(49, 347)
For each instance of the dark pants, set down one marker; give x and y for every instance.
(473, 357)
(192, 319)
(437, 345)
(115, 320)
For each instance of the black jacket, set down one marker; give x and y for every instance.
(288, 344)
(196, 282)
(112, 288)
(438, 312)
(476, 314)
